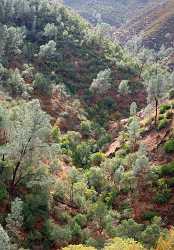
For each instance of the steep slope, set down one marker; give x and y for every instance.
(161, 162)
(67, 52)
(114, 12)
(155, 25)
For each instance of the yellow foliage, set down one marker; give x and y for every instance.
(78, 247)
(166, 243)
(123, 244)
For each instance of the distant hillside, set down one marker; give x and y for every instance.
(156, 26)
(114, 12)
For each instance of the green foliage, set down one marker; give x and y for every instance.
(48, 50)
(82, 154)
(161, 117)
(147, 235)
(15, 83)
(102, 83)
(3, 193)
(163, 123)
(55, 233)
(81, 220)
(62, 217)
(164, 108)
(169, 146)
(96, 178)
(123, 87)
(86, 128)
(129, 229)
(167, 170)
(35, 206)
(42, 85)
(97, 158)
(149, 215)
(162, 198)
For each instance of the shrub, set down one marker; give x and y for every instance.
(124, 244)
(97, 158)
(42, 85)
(62, 217)
(149, 215)
(86, 127)
(169, 146)
(163, 123)
(171, 94)
(76, 231)
(56, 233)
(167, 170)
(162, 198)
(164, 108)
(3, 193)
(81, 220)
(161, 117)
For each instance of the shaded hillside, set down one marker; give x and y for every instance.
(155, 25)
(66, 51)
(113, 12)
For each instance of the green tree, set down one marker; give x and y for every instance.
(42, 85)
(124, 87)
(134, 131)
(51, 31)
(48, 50)
(15, 83)
(156, 89)
(29, 131)
(102, 83)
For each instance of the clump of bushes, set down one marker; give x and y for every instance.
(161, 117)
(163, 123)
(167, 170)
(97, 158)
(162, 198)
(164, 108)
(81, 220)
(169, 146)
(149, 215)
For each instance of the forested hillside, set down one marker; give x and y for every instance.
(113, 12)
(86, 135)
